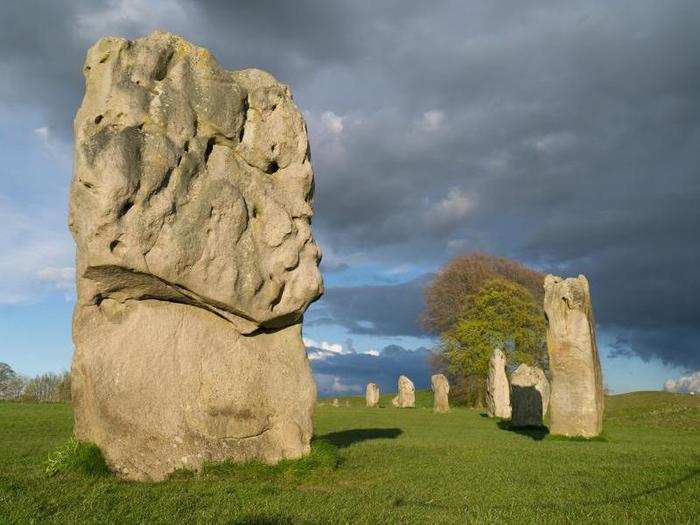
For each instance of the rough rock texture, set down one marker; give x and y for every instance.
(441, 391)
(372, 395)
(190, 206)
(576, 402)
(406, 397)
(543, 388)
(497, 388)
(529, 396)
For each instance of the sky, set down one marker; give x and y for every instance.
(563, 135)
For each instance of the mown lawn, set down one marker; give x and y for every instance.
(390, 466)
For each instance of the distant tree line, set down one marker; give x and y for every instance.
(478, 302)
(43, 388)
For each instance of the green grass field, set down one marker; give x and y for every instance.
(387, 466)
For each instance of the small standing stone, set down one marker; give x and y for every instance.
(576, 403)
(336, 402)
(543, 388)
(372, 395)
(526, 389)
(497, 388)
(441, 390)
(406, 397)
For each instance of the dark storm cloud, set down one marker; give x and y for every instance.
(566, 135)
(382, 310)
(349, 373)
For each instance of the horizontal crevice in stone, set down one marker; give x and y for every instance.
(123, 284)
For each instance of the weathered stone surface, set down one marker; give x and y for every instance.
(576, 402)
(441, 391)
(372, 395)
(406, 397)
(190, 206)
(529, 395)
(543, 388)
(497, 387)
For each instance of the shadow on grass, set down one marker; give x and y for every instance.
(345, 438)
(262, 520)
(600, 438)
(536, 433)
(323, 457)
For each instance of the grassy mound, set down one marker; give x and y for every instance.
(654, 410)
(74, 456)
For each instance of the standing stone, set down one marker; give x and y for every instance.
(336, 402)
(190, 206)
(372, 395)
(406, 397)
(543, 388)
(441, 390)
(497, 388)
(576, 403)
(529, 396)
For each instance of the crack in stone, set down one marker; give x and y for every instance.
(123, 284)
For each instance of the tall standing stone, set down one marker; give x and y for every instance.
(190, 206)
(441, 391)
(576, 402)
(529, 395)
(497, 388)
(406, 397)
(372, 395)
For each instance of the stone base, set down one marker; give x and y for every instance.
(160, 386)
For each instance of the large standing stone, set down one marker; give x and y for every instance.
(406, 397)
(497, 388)
(576, 403)
(441, 391)
(529, 396)
(190, 206)
(372, 395)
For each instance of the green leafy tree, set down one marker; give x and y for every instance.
(502, 314)
(465, 275)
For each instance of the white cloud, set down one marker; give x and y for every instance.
(42, 133)
(328, 133)
(319, 350)
(335, 348)
(332, 384)
(323, 349)
(60, 278)
(332, 123)
(52, 147)
(135, 16)
(34, 254)
(433, 120)
(453, 207)
(684, 384)
(553, 142)
(401, 269)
